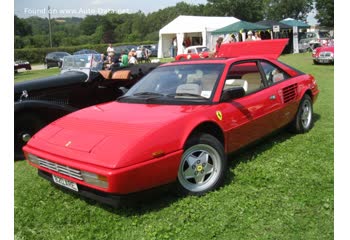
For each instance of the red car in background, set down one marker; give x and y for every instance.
(177, 124)
(193, 52)
(323, 54)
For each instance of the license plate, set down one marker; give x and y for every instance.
(65, 183)
(323, 61)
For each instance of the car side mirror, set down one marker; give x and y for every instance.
(232, 93)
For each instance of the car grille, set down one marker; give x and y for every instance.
(325, 54)
(65, 170)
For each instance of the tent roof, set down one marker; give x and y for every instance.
(293, 22)
(184, 24)
(271, 23)
(238, 26)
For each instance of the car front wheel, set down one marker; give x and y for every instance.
(203, 165)
(303, 121)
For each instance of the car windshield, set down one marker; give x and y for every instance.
(324, 35)
(176, 83)
(83, 61)
(62, 54)
(202, 49)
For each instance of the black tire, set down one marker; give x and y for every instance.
(25, 124)
(203, 165)
(315, 62)
(59, 64)
(303, 120)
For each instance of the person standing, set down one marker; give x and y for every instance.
(174, 47)
(110, 50)
(250, 36)
(217, 46)
(257, 36)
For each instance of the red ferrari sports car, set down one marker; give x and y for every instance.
(177, 124)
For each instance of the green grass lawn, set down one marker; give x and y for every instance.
(280, 188)
(34, 74)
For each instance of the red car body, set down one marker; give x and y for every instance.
(323, 54)
(193, 52)
(138, 143)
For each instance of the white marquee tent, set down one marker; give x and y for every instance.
(195, 27)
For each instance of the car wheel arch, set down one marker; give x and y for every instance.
(210, 128)
(44, 110)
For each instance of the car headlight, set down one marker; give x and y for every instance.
(95, 179)
(32, 158)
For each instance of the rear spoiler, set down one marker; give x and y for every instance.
(267, 48)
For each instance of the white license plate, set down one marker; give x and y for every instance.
(65, 183)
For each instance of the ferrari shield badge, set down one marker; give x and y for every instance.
(219, 115)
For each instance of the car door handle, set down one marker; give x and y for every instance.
(272, 97)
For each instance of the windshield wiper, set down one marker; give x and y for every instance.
(148, 94)
(186, 95)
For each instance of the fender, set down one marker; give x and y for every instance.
(42, 106)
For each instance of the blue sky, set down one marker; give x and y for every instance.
(80, 8)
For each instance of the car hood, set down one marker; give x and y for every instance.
(116, 135)
(325, 49)
(66, 78)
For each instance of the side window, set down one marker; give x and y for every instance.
(246, 75)
(273, 74)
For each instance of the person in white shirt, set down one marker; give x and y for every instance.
(110, 50)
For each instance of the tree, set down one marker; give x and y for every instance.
(281, 9)
(325, 15)
(22, 28)
(247, 10)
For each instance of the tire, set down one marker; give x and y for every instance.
(203, 165)
(303, 121)
(315, 62)
(59, 64)
(25, 124)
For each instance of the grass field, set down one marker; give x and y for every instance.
(34, 74)
(280, 188)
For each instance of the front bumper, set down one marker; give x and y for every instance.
(324, 59)
(99, 196)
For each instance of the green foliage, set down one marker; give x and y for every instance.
(247, 10)
(37, 55)
(280, 188)
(22, 28)
(325, 12)
(281, 9)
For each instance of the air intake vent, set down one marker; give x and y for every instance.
(289, 93)
(71, 172)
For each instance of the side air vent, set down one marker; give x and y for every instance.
(289, 93)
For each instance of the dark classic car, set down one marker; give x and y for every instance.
(19, 64)
(55, 59)
(82, 83)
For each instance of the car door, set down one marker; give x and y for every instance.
(259, 111)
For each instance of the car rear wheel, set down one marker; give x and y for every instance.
(26, 125)
(303, 121)
(203, 165)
